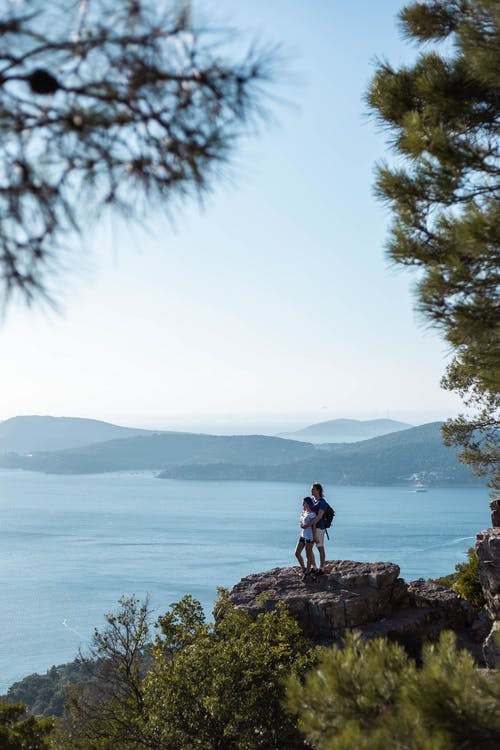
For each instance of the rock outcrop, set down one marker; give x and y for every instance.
(495, 512)
(368, 597)
(488, 564)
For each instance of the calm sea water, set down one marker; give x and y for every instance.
(71, 545)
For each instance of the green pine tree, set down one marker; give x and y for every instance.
(369, 695)
(443, 118)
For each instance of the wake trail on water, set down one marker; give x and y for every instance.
(66, 624)
(442, 544)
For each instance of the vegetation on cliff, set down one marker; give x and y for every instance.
(246, 682)
(465, 580)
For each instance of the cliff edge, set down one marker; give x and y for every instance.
(368, 597)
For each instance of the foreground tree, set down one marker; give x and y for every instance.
(106, 708)
(208, 686)
(443, 116)
(374, 698)
(225, 686)
(107, 103)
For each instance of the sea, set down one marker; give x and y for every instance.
(70, 546)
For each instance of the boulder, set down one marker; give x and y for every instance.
(491, 647)
(444, 604)
(495, 512)
(348, 594)
(367, 597)
(488, 563)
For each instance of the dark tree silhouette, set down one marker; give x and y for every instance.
(120, 103)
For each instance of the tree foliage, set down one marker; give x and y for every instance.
(224, 687)
(46, 694)
(373, 697)
(442, 115)
(203, 685)
(106, 709)
(108, 103)
(467, 582)
(21, 732)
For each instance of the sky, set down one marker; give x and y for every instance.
(273, 305)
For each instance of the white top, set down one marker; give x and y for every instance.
(305, 517)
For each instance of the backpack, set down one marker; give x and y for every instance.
(328, 516)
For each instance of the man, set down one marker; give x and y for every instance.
(318, 523)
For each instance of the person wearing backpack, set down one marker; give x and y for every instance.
(324, 515)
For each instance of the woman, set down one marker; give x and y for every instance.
(306, 538)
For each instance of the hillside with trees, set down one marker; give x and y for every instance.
(398, 458)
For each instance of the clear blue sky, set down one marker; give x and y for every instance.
(274, 304)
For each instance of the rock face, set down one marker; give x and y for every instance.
(369, 597)
(346, 595)
(495, 512)
(488, 564)
(491, 648)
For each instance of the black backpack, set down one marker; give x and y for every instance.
(328, 516)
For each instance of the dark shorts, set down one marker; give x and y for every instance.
(305, 541)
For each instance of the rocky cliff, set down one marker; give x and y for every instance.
(488, 563)
(368, 597)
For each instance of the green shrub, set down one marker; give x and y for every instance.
(467, 582)
(373, 697)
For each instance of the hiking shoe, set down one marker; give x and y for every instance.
(304, 575)
(319, 572)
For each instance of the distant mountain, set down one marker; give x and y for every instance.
(162, 450)
(37, 433)
(346, 430)
(390, 459)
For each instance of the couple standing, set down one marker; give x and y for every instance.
(312, 531)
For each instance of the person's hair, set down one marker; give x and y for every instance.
(309, 502)
(319, 487)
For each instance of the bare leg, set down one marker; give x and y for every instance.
(298, 554)
(311, 562)
(321, 551)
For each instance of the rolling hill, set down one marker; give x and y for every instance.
(390, 459)
(161, 450)
(38, 433)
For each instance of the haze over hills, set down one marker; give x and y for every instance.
(388, 459)
(346, 430)
(27, 434)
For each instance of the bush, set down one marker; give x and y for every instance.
(373, 697)
(467, 582)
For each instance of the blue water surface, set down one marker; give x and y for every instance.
(71, 545)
